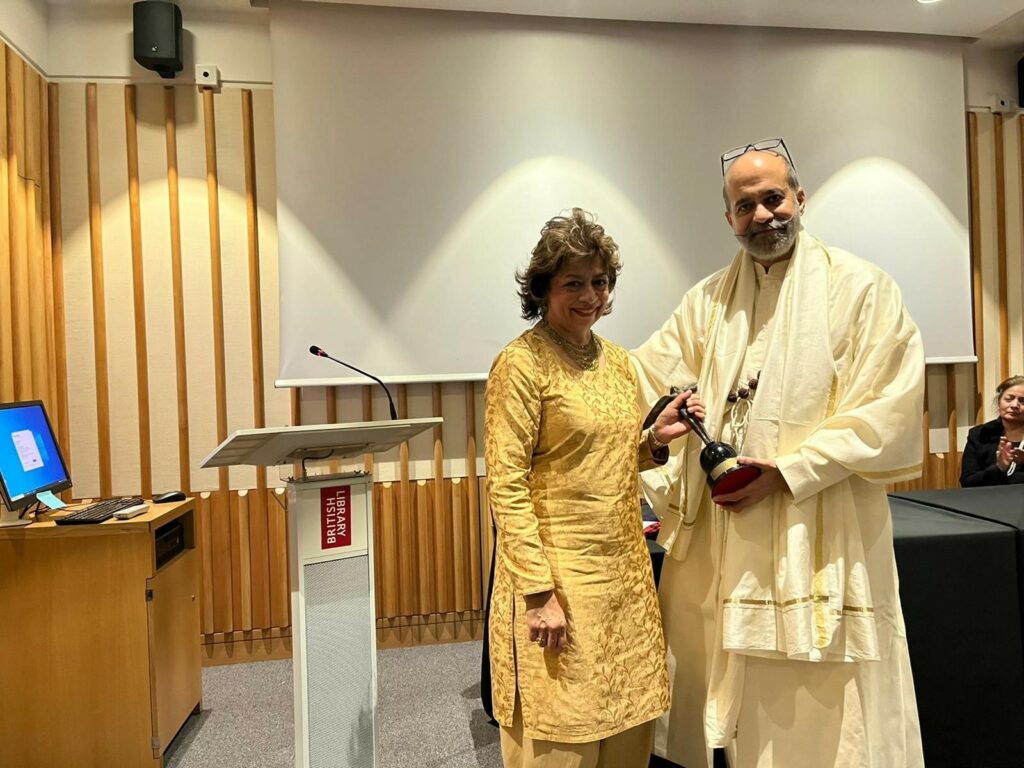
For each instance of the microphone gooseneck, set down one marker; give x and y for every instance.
(320, 352)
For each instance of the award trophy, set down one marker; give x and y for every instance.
(717, 459)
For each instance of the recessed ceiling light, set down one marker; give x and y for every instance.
(928, 2)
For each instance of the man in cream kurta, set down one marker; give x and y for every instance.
(780, 601)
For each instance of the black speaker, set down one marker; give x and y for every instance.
(1020, 83)
(157, 36)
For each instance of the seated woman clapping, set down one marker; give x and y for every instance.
(995, 449)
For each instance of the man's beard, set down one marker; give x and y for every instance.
(776, 243)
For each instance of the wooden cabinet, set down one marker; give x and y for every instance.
(99, 648)
(174, 645)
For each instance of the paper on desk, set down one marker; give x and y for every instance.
(50, 500)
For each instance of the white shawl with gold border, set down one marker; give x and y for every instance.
(838, 407)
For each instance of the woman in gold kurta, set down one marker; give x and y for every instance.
(577, 650)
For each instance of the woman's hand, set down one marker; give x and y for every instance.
(668, 426)
(546, 621)
(1007, 453)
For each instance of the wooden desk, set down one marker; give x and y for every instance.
(99, 649)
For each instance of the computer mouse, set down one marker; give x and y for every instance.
(165, 498)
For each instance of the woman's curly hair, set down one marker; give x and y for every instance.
(563, 241)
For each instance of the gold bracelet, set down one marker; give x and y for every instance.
(654, 442)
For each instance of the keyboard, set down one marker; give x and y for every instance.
(100, 511)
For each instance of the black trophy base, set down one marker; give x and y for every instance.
(725, 473)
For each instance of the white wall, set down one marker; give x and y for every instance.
(991, 69)
(23, 27)
(96, 43)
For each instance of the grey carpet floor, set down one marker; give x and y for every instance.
(428, 710)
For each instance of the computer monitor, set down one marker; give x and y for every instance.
(30, 459)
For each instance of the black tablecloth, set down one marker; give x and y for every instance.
(958, 586)
(998, 504)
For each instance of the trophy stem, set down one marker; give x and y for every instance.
(718, 460)
(697, 424)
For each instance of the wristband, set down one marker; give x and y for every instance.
(654, 442)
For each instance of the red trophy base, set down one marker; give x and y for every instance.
(733, 479)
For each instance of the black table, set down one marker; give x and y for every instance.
(959, 580)
(998, 504)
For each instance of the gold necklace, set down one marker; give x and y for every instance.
(586, 356)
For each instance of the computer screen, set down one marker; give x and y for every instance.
(30, 459)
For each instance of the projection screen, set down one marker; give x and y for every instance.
(419, 154)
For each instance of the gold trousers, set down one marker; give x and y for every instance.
(629, 749)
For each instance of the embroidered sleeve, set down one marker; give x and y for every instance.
(512, 413)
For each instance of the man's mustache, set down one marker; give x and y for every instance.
(775, 225)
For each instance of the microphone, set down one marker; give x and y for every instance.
(319, 352)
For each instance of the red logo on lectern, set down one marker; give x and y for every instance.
(335, 517)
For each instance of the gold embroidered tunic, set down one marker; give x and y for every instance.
(563, 450)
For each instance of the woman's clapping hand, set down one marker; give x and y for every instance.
(1007, 453)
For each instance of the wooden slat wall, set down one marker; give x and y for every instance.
(960, 396)
(138, 232)
(162, 255)
(6, 284)
(138, 292)
(974, 174)
(1000, 181)
(30, 339)
(432, 535)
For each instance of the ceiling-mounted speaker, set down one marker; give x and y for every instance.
(156, 26)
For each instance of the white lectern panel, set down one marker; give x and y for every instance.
(330, 524)
(339, 643)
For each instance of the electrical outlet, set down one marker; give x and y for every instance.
(207, 75)
(1002, 103)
